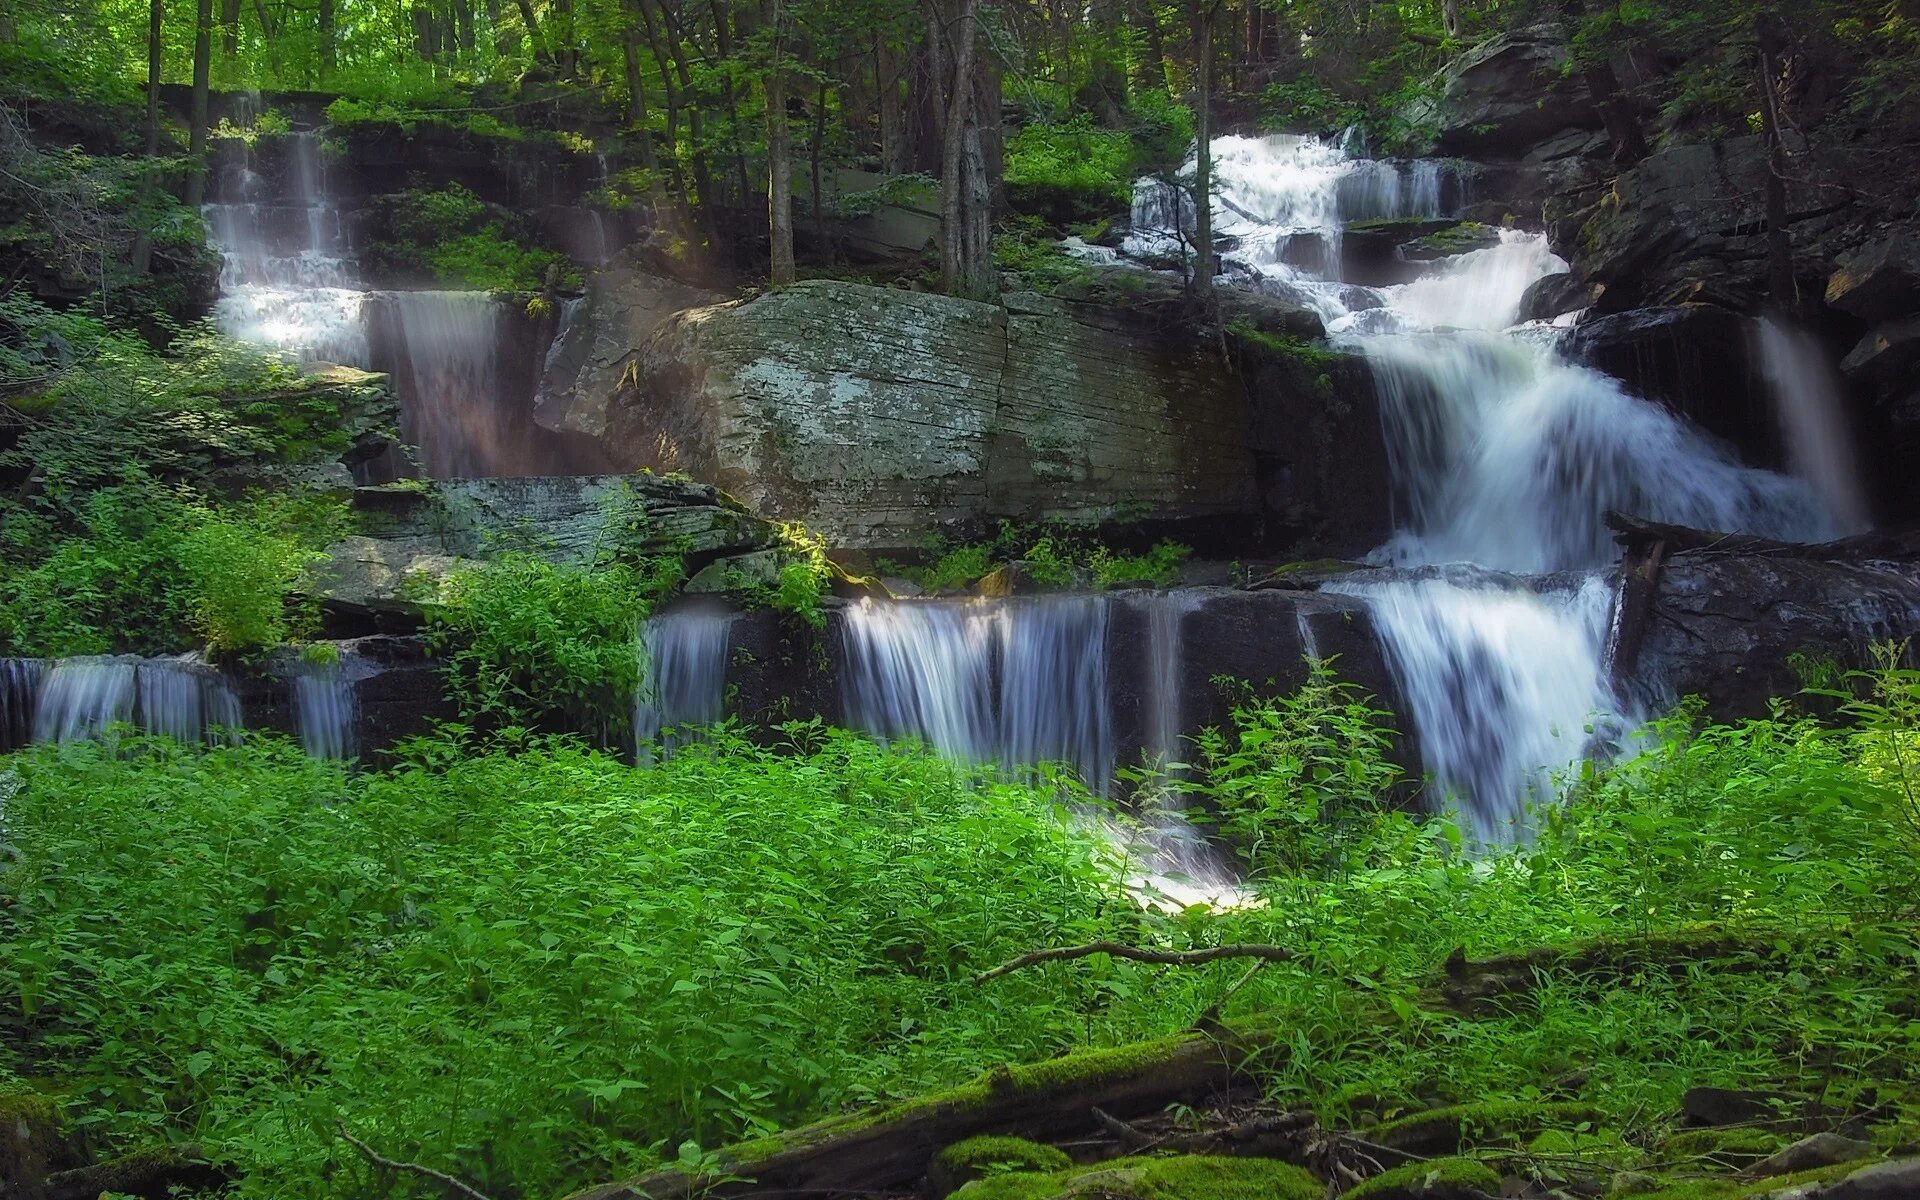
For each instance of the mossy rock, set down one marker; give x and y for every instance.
(1731, 1148)
(1448, 1130)
(1188, 1177)
(1746, 1189)
(980, 1157)
(1602, 1147)
(1434, 1179)
(29, 1136)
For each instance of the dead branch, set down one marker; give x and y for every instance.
(379, 1160)
(1165, 958)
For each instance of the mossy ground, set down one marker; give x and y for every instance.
(1187, 1177)
(1435, 1176)
(1443, 1130)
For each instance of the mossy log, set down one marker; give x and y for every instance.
(1045, 1101)
(159, 1172)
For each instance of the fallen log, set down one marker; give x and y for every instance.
(1052, 1101)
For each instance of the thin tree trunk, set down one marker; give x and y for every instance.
(1151, 70)
(724, 42)
(962, 171)
(565, 48)
(329, 52)
(636, 81)
(229, 28)
(143, 244)
(1780, 283)
(814, 151)
(535, 42)
(779, 157)
(197, 138)
(895, 146)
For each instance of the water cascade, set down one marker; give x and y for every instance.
(186, 700)
(1504, 456)
(81, 697)
(1013, 682)
(1813, 422)
(289, 281)
(20, 680)
(326, 710)
(683, 679)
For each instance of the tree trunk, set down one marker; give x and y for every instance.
(1780, 282)
(814, 153)
(896, 150)
(143, 244)
(636, 81)
(565, 47)
(779, 157)
(329, 52)
(197, 138)
(534, 41)
(463, 25)
(1450, 17)
(1203, 13)
(229, 28)
(961, 169)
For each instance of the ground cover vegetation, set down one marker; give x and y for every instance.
(531, 965)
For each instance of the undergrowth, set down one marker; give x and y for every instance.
(531, 966)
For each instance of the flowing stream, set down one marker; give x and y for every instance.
(1505, 458)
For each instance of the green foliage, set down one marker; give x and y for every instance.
(1055, 554)
(450, 235)
(1158, 567)
(1074, 171)
(1295, 776)
(148, 569)
(537, 970)
(530, 642)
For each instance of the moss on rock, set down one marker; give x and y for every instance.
(1746, 1189)
(29, 1133)
(1728, 1147)
(978, 1157)
(1187, 1177)
(1435, 1179)
(1446, 1130)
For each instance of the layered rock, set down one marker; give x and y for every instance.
(1509, 92)
(876, 414)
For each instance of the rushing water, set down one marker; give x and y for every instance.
(1014, 682)
(326, 710)
(290, 280)
(683, 679)
(1503, 455)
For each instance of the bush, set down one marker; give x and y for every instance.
(1073, 172)
(538, 971)
(451, 236)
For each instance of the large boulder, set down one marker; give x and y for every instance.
(1689, 224)
(1699, 361)
(1880, 280)
(1509, 92)
(599, 338)
(875, 414)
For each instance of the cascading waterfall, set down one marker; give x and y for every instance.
(288, 281)
(20, 680)
(1504, 456)
(186, 700)
(82, 697)
(1013, 682)
(683, 679)
(326, 710)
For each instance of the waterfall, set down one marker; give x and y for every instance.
(1502, 683)
(20, 680)
(1812, 419)
(683, 679)
(326, 711)
(1503, 456)
(186, 700)
(452, 382)
(1015, 682)
(82, 697)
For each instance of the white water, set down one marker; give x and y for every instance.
(1503, 455)
(683, 679)
(1014, 682)
(20, 680)
(326, 710)
(1806, 393)
(82, 697)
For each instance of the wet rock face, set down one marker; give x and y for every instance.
(1689, 223)
(1879, 280)
(1699, 361)
(1510, 92)
(876, 414)
(601, 340)
(1733, 628)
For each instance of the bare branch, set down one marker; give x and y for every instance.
(1165, 958)
(379, 1160)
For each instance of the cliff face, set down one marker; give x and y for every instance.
(875, 414)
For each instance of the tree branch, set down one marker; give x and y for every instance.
(1167, 958)
(379, 1160)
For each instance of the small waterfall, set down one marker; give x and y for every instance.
(1501, 682)
(326, 710)
(20, 680)
(1813, 420)
(186, 700)
(452, 383)
(82, 697)
(1017, 682)
(683, 682)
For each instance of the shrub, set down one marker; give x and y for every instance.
(1070, 172)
